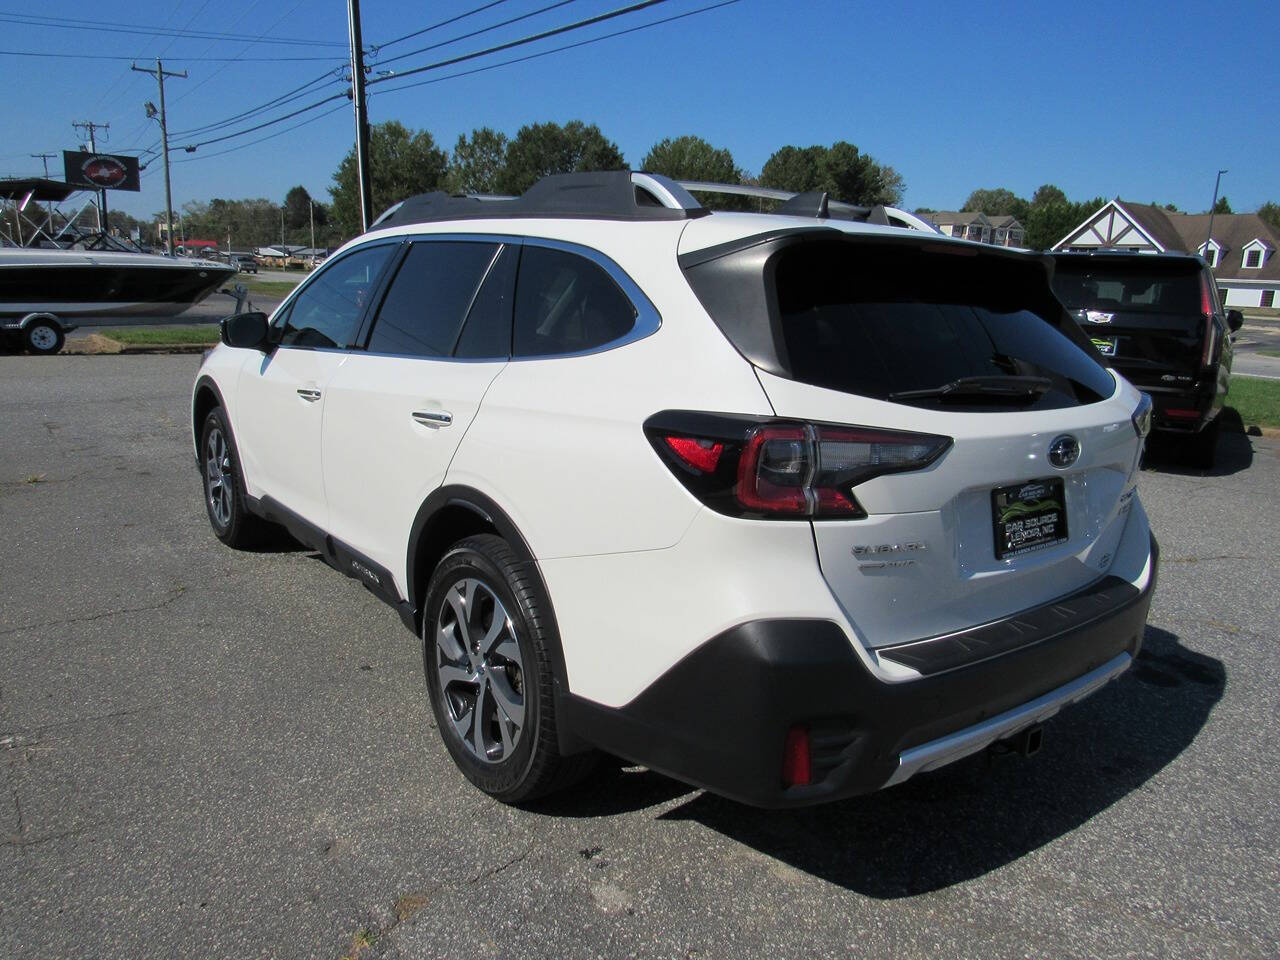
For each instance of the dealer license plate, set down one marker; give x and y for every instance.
(1028, 516)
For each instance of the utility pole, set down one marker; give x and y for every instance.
(1216, 184)
(362, 115)
(160, 73)
(93, 146)
(311, 208)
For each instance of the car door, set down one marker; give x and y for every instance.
(281, 398)
(397, 410)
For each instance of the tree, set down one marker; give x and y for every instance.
(998, 202)
(1047, 193)
(298, 210)
(1270, 212)
(1050, 221)
(1222, 206)
(840, 170)
(402, 162)
(691, 158)
(478, 163)
(541, 149)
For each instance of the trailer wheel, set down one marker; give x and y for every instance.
(43, 336)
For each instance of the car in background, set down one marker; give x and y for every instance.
(245, 263)
(1158, 321)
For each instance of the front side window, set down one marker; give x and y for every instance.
(566, 304)
(328, 310)
(429, 298)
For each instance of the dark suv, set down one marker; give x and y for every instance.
(1157, 319)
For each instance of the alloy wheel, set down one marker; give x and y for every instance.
(480, 671)
(218, 476)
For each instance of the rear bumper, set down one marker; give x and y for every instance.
(1199, 398)
(719, 718)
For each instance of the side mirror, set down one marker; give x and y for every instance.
(1235, 320)
(248, 331)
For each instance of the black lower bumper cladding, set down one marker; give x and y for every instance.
(719, 718)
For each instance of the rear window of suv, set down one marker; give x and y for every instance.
(903, 323)
(1137, 285)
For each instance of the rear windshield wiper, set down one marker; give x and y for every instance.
(1001, 389)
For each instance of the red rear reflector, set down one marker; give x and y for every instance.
(796, 770)
(702, 455)
(1185, 414)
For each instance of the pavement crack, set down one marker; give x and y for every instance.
(1194, 559)
(142, 608)
(493, 872)
(21, 824)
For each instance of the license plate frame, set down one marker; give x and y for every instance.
(1029, 516)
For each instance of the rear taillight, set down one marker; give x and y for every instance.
(778, 469)
(1210, 331)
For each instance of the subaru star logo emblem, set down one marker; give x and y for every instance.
(1064, 451)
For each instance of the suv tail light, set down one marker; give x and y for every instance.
(780, 469)
(1210, 330)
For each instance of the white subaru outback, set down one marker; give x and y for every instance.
(791, 507)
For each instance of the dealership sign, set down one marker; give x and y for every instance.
(100, 171)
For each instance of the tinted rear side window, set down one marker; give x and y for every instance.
(566, 303)
(429, 298)
(487, 333)
(884, 321)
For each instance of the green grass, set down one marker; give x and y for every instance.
(1256, 400)
(1270, 353)
(277, 285)
(206, 333)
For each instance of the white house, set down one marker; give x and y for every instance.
(1241, 251)
(1003, 231)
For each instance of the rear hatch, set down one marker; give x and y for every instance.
(1144, 313)
(928, 337)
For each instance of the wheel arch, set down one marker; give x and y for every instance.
(451, 513)
(204, 398)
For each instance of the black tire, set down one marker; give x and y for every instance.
(223, 485)
(529, 765)
(43, 337)
(1203, 449)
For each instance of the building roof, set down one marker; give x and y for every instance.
(962, 216)
(1007, 222)
(1232, 231)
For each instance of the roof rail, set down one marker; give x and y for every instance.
(604, 195)
(816, 204)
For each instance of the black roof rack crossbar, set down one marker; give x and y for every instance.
(605, 195)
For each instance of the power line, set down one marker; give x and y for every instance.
(561, 49)
(270, 136)
(68, 23)
(147, 56)
(600, 18)
(436, 26)
(268, 123)
(288, 96)
(275, 23)
(476, 33)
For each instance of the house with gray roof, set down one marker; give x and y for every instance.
(973, 225)
(1241, 250)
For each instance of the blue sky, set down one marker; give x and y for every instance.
(1145, 100)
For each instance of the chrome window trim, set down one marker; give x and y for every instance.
(648, 320)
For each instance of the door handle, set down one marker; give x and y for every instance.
(433, 418)
(309, 395)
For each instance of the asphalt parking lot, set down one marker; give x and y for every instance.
(206, 753)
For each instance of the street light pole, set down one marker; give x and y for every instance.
(1211, 207)
(160, 73)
